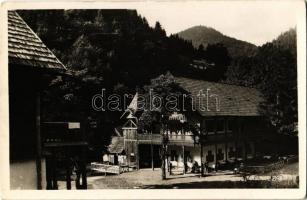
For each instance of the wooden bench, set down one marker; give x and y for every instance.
(104, 168)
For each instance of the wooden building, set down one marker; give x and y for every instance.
(231, 129)
(32, 66)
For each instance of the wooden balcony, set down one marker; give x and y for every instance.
(149, 138)
(186, 140)
(173, 139)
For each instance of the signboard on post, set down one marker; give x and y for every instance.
(73, 125)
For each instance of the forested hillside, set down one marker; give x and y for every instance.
(202, 35)
(116, 45)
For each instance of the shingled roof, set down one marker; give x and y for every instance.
(26, 48)
(233, 100)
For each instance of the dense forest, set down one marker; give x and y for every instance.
(273, 70)
(119, 51)
(202, 35)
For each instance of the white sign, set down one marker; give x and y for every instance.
(73, 125)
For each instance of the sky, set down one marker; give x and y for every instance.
(256, 22)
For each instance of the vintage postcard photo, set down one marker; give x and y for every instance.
(152, 96)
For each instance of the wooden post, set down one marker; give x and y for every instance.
(167, 162)
(84, 178)
(38, 144)
(201, 160)
(137, 155)
(54, 174)
(245, 141)
(164, 143)
(254, 148)
(152, 160)
(201, 148)
(48, 173)
(240, 136)
(236, 139)
(215, 145)
(226, 151)
(245, 151)
(226, 139)
(183, 159)
(216, 161)
(68, 181)
(128, 150)
(84, 181)
(163, 162)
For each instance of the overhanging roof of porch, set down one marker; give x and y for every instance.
(26, 48)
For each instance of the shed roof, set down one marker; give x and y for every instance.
(26, 48)
(233, 100)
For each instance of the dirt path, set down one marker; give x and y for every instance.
(146, 178)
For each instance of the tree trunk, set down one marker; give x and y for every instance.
(201, 160)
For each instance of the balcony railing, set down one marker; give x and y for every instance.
(187, 139)
(173, 139)
(181, 140)
(150, 138)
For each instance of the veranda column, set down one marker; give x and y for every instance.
(215, 145)
(151, 152)
(48, 172)
(68, 172)
(163, 161)
(226, 139)
(201, 160)
(137, 155)
(38, 143)
(245, 141)
(236, 138)
(183, 159)
(201, 147)
(84, 178)
(54, 171)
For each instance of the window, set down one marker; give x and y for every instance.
(220, 126)
(111, 159)
(231, 152)
(174, 156)
(187, 156)
(220, 155)
(230, 125)
(239, 151)
(210, 126)
(210, 157)
(248, 149)
(132, 157)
